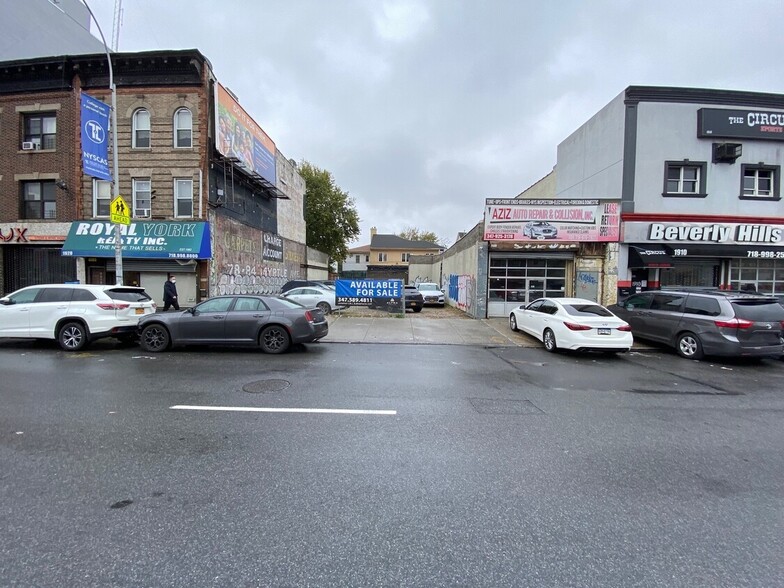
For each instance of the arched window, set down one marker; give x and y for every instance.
(141, 129)
(183, 128)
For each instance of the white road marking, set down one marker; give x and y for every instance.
(294, 410)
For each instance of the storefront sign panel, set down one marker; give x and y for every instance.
(546, 220)
(740, 124)
(724, 233)
(146, 240)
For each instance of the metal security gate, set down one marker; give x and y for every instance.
(702, 272)
(27, 266)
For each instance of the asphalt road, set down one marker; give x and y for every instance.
(482, 467)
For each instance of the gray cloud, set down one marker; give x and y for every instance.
(421, 109)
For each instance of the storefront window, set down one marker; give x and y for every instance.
(763, 275)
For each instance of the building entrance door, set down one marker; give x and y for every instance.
(514, 281)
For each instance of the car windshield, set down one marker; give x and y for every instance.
(429, 287)
(128, 294)
(282, 303)
(586, 310)
(758, 310)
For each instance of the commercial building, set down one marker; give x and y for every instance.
(211, 197)
(661, 187)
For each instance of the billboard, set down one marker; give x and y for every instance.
(551, 220)
(95, 138)
(238, 136)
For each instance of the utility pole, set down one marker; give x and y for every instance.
(113, 139)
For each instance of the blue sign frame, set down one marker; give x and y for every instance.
(95, 138)
(361, 292)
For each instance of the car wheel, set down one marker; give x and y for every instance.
(72, 336)
(513, 322)
(274, 339)
(324, 307)
(689, 346)
(419, 309)
(155, 338)
(548, 338)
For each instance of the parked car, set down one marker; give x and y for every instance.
(74, 314)
(313, 297)
(707, 322)
(573, 323)
(432, 294)
(540, 230)
(330, 285)
(413, 299)
(270, 322)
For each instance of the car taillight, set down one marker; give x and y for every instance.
(575, 327)
(625, 328)
(735, 323)
(308, 316)
(113, 305)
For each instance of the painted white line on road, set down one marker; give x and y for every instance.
(270, 409)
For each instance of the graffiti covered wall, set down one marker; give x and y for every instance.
(240, 265)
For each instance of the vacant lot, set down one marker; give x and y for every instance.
(428, 312)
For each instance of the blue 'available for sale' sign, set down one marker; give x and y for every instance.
(361, 292)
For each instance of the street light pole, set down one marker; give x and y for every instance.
(118, 271)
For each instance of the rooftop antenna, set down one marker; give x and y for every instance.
(116, 24)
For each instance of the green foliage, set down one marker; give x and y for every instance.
(414, 234)
(331, 218)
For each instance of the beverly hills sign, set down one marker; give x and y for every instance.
(724, 233)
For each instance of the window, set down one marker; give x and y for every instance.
(760, 181)
(684, 178)
(215, 305)
(183, 198)
(356, 259)
(25, 296)
(183, 128)
(702, 305)
(41, 130)
(382, 256)
(56, 295)
(249, 304)
(102, 197)
(367, 258)
(141, 129)
(39, 200)
(142, 198)
(405, 257)
(670, 302)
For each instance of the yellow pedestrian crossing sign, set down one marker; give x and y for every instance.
(119, 211)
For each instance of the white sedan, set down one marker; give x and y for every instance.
(313, 297)
(572, 323)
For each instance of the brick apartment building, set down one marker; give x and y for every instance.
(245, 220)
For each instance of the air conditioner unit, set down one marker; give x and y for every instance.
(28, 146)
(142, 213)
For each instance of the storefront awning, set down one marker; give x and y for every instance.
(649, 256)
(141, 239)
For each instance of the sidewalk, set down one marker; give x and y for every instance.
(418, 330)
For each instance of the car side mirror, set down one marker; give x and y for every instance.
(192, 310)
(5, 301)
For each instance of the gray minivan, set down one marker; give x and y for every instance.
(707, 322)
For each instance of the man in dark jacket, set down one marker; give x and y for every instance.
(170, 294)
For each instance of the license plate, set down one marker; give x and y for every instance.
(604, 331)
(412, 303)
(139, 311)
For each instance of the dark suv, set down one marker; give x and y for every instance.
(413, 300)
(707, 322)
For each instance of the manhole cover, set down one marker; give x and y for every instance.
(493, 406)
(263, 386)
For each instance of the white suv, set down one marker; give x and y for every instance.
(73, 314)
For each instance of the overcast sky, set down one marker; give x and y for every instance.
(421, 109)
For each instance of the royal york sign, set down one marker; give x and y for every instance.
(740, 124)
(718, 233)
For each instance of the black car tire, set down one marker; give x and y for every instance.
(419, 309)
(72, 336)
(154, 338)
(274, 339)
(689, 346)
(548, 338)
(513, 322)
(324, 307)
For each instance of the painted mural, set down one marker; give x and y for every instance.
(462, 289)
(249, 261)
